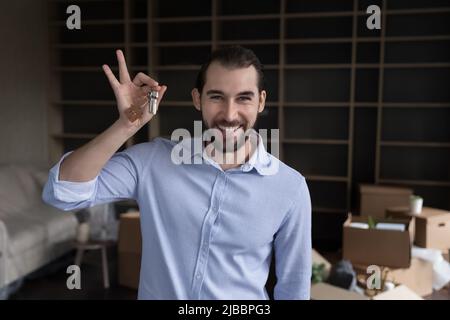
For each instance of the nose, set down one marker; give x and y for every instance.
(230, 111)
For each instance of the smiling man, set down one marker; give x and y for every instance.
(209, 227)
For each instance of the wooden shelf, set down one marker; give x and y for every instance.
(315, 141)
(74, 135)
(293, 15)
(416, 104)
(248, 42)
(328, 210)
(416, 182)
(95, 69)
(326, 178)
(415, 144)
(86, 102)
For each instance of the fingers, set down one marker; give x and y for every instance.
(161, 93)
(143, 79)
(123, 71)
(111, 77)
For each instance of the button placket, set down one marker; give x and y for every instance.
(211, 216)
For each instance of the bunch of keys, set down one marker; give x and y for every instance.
(135, 112)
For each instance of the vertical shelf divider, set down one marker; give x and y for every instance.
(281, 71)
(352, 104)
(380, 92)
(154, 129)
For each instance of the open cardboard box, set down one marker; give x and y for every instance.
(418, 276)
(389, 248)
(325, 291)
(129, 250)
(433, 229)
(374, 199)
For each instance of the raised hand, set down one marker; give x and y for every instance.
(131, 95)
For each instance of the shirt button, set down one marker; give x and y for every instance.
(199, 275)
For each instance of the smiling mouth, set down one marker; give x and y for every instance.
(226, 130)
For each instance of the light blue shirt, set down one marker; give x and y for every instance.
(206, 233)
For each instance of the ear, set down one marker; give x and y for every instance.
(196, 98)
(262, 100)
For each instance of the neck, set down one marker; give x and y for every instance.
(232, 159)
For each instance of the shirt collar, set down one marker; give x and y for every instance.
(261, 160)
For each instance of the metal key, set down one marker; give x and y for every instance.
(152, 99)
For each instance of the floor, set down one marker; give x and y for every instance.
(50, 283)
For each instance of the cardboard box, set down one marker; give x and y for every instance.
(129, 250)
(398, 293)
(433, 229)
(401, 213)
(418, 277)
(325, 291)
(374, 199)
(389, 248)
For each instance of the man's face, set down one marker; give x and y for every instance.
(230, 102)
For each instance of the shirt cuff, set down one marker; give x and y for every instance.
(69, 191)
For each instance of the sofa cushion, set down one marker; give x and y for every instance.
(20, 188)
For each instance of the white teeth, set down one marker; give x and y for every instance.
(228, 128)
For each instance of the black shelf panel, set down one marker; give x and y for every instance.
(175, 8)
(92, 34)
(416, 4)
(311, 85)
(418, 24)
(90, 10)
(416, 85)
(319, 53)
(191, 55)
(184, 31)
(171, 118)
(436, 197)
(329, 27)
(328, 194)
(310, 159)
(88, 57)
(251, 7)
(418, 51)
(368, 52)
(416, 124)
(85, 86)
(318, 6)
(249, 29)
(415, 163)
(316, 123)
(100, 118)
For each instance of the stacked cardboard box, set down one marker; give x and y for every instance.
(374, 199)
(433, 229)
(129, 250)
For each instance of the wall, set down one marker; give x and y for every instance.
(23, 82)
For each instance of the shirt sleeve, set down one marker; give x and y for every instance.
(293, 250)
(118, 180)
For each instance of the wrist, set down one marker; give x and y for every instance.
(124, 130)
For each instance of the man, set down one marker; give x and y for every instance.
(209, 227)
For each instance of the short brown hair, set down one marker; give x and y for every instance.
(232, 57)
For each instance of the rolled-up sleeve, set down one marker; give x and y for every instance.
(293, 250)
(117, 180)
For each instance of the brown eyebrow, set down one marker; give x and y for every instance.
(246, 93)
(243, 93)
(209, 92)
